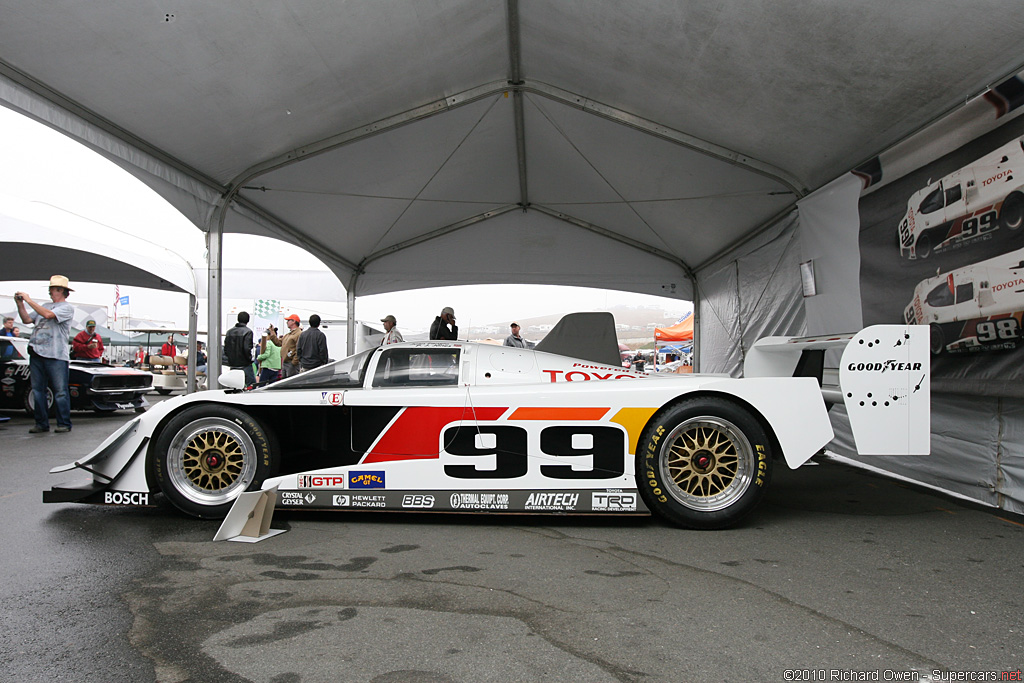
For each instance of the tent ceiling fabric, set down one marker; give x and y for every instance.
(386, 137)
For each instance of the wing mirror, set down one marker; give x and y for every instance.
(232, 379)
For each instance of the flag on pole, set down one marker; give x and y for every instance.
(117, 299)
(265, 312)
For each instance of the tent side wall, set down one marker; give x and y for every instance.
(750, 293)
(977, 445)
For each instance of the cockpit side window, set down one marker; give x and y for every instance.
(953, 194)
(417, 367)
(964, 292)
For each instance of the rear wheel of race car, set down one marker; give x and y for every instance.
(704, 463)
(30, 402)
(208, 455)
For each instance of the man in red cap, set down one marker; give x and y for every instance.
(289, 354)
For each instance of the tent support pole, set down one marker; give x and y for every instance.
(193, 328)
(350, 317)
(696, 325)
(214, 268)
(515, 79)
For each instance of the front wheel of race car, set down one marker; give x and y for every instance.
(208, 455)
(924, 247)
(1011, 216)
(704, 463)
(937, 340)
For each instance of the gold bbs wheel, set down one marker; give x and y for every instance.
(707, 463)
(211, 460)
(704, 462)
(209, 454)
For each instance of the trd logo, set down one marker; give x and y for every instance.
(613, 501)
(417, 501)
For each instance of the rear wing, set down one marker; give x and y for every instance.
(882, 377)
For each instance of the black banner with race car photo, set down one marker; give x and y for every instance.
(943, 246)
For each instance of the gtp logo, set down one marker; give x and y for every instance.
(366, 480)
(321, 481)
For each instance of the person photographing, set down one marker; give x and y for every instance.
(48, 357)
(269, 358)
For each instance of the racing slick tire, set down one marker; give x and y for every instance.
(924, 247)
(1011, 216)
(936, 339)
(30, 402)
(704, 463)
(206, 456)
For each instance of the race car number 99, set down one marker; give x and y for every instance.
(511, 459)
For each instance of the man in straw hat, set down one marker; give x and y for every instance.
(48, 352)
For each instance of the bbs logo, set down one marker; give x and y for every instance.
(417, 501)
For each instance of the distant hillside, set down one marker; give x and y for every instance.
(640, 322)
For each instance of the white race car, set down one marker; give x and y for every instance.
(464, 427)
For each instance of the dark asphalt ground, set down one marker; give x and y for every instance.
(838, 576)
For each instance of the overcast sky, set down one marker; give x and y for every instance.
(40, 164)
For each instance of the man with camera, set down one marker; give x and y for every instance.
(48, 357)
(269, 358)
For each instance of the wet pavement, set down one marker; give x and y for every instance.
(839, 574)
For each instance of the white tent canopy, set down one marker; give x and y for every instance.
(423, 143)
(38, 238)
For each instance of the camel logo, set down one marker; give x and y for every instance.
(366, 480)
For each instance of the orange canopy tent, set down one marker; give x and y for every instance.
(681, 331)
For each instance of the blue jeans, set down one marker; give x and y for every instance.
(54, 372)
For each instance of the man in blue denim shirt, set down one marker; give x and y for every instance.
(48, 352)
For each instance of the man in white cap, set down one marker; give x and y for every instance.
(48, 352)
(439, 329)
(393, 336)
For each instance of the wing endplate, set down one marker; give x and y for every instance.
(885, 377)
